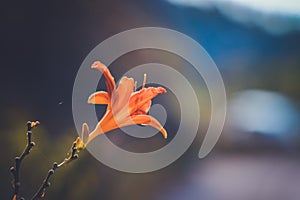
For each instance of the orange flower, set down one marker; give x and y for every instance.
(125, 106)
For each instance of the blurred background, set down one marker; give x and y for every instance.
(256, 46)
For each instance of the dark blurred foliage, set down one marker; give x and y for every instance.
(42, 46)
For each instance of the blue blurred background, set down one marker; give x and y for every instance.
(256, 46)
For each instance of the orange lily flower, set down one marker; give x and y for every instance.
(125, 106)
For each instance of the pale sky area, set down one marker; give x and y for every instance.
(275, 16)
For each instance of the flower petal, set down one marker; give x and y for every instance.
(85, 132)
(99, 98)
(121, 96)
(143, 109)
(110, 81)
(107, 123)
(145, 120)
(140, 101)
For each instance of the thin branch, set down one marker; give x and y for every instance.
(42, 190)
(15, 170)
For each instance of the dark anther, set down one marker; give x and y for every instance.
(29, 125)
(12, 169)
(55, 165)
(48, 184)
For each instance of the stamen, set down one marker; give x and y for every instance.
(144, 81)
(135, 85)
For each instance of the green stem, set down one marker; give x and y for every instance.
(15, 170)
(42, 190)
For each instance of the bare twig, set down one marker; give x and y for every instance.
(15, 170)
(72, 156)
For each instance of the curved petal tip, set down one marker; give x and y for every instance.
(100, 97)
(98, 65)
(164, 133)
